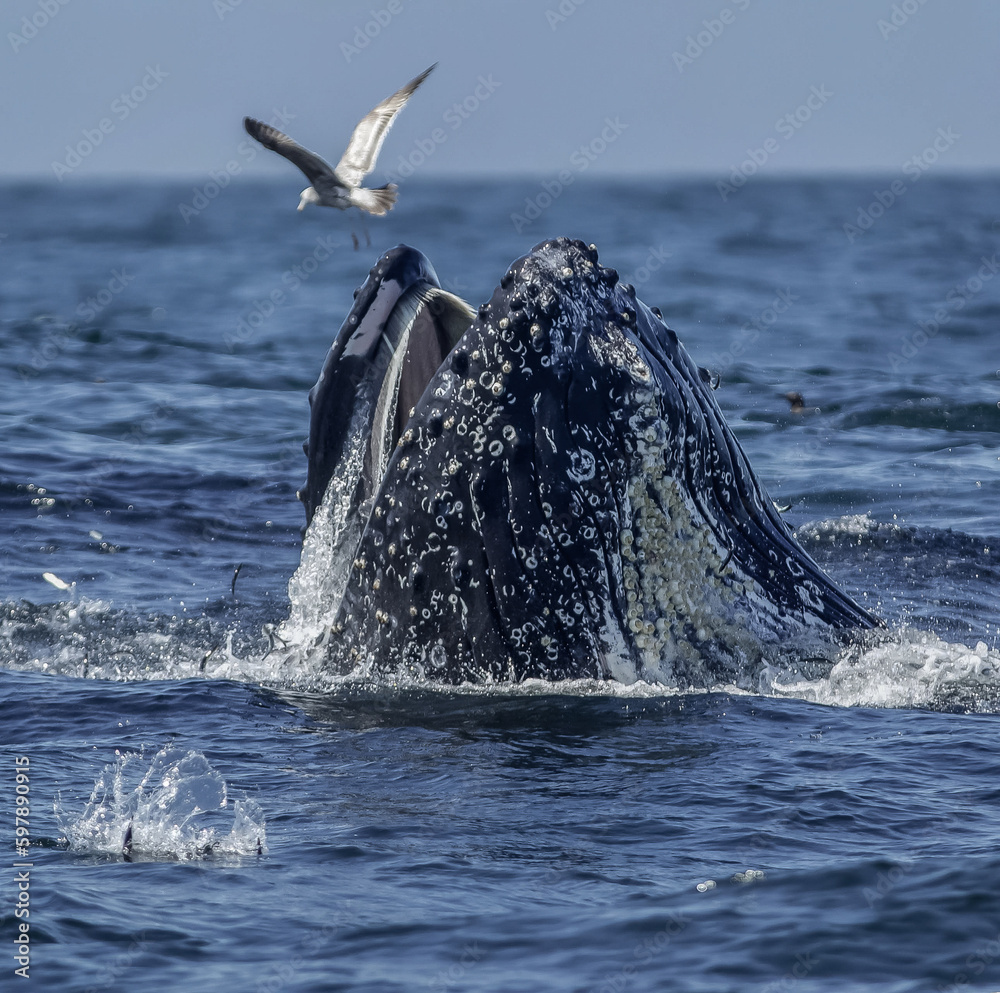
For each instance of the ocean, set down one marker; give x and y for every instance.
(836, 828)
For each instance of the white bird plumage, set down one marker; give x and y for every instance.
(341, 187)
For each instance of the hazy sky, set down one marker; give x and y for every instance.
(145, 88)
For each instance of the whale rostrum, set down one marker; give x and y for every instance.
(545, 488)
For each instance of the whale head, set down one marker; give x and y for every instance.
(545, 489)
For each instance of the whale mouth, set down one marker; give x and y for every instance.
(546, 488)
(422, 330)
(400, 330)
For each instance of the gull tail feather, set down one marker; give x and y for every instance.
(378, 201)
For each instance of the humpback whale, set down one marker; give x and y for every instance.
(545, 488)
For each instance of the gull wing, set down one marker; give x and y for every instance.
(309, 162)
(366, 142)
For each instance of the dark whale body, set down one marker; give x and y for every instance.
(547, 490)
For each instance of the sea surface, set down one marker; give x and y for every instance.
(204, 814)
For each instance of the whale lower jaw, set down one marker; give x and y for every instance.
(565, 501)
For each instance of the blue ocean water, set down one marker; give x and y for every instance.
(834, 830)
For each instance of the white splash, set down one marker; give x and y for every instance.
(174, 806)
(317, 586)
(909, 668)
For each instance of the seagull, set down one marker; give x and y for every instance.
(341, 187)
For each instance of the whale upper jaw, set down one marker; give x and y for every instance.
(565, 500)
(396, 335)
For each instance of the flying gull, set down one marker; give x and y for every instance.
(341, 187)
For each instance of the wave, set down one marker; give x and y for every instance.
(903, 668)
